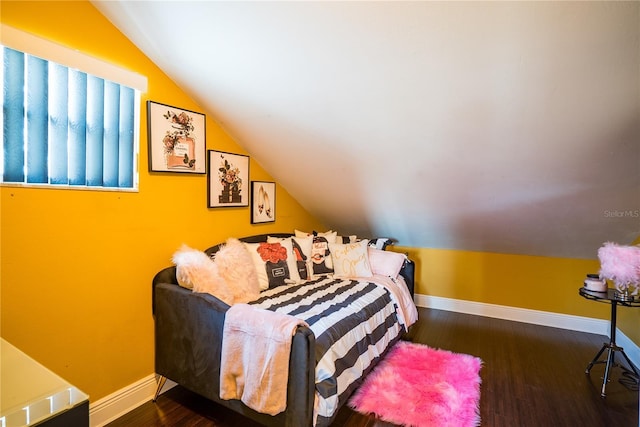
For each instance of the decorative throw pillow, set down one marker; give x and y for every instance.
(270, 261)
(330, 235)
(298, 233)
(196, 271)
(302, 248)
(386, 263)
(320, 254)
(380, 243)
(235, 265)
(321, 262)
(300, 256)
(350, 259)
(347, 239)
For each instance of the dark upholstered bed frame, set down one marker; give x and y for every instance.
(188, 340)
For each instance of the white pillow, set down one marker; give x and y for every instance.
(273, 264)
(386, 263)
(350, 259)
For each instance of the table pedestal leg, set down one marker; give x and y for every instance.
(611, 348)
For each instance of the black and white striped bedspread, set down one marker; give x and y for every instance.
(353, 321)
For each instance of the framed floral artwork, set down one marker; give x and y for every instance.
(177, 139)
(263, 202)
(228, 183)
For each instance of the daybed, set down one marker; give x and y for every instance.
(188, 342)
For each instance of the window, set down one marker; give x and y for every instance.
(63, 127)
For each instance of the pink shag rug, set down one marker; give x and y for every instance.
(415, 385)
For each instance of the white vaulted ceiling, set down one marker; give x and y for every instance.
(507, 127)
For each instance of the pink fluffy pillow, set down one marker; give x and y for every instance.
(236, 267)
(196, 271)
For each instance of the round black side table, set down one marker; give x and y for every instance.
(610, 298)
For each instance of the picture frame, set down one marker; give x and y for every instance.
(228, 179)
(263, 202)
(177, 139)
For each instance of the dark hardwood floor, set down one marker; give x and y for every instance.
(532, 376)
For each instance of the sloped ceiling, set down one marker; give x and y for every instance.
(508, 127)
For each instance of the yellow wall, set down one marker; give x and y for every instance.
(76, 266)
(531, 282)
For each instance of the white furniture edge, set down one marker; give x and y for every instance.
(107, 409)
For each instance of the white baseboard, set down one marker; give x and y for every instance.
(631, 349)
(536, 317)
(115, 405)
(128, 398)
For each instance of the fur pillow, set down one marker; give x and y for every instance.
(236, 267)
(196, 271)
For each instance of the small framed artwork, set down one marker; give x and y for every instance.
(228, 183)
(177, 139)
(263, 202)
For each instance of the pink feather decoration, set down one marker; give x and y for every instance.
(620, 264)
